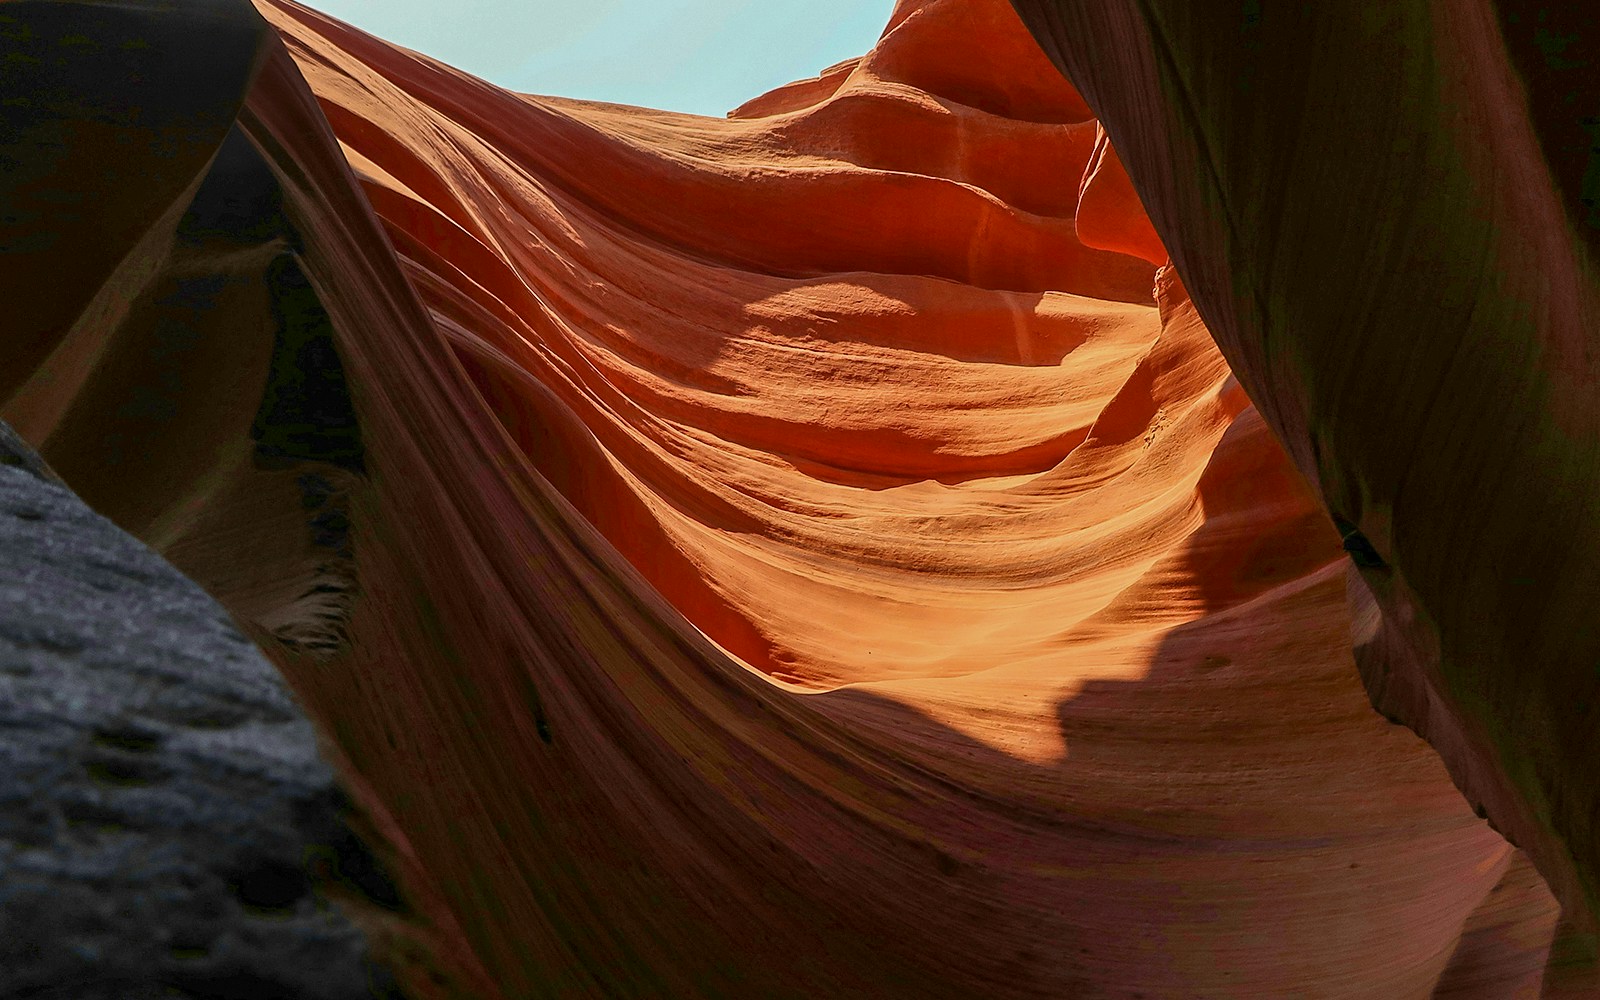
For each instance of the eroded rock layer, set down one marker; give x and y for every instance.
(1398, 261)
(816, 553)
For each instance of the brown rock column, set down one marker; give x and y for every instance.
(1359, 200)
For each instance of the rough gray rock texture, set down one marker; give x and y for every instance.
(162, 801)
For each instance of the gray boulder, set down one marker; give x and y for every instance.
(167, 827)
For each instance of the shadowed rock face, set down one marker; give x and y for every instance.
(163, 808)
(814, 553)
(1390, 231)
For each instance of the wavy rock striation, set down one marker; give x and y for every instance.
(819, 552)
(1403, 277)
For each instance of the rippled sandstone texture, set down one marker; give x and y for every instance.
(817, 553)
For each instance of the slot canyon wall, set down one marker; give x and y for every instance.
(823, 552)
(1398, 262)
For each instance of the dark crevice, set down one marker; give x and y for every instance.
(130, 740)
(124, 770)
(89, 814)
(270, 886)
(306, 413)
(340, 859)
(1361, 550)
(239, 202)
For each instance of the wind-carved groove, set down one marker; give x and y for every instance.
(1361, 550)
(305, 443)
(306, 420)
(317, 621)
(305, 413)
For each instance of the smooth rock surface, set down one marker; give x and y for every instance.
(1386, 215)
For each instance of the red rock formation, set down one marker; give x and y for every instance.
(1397, 260)
(817, 553)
